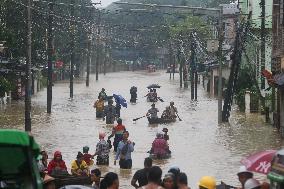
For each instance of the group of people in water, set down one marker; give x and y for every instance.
(110, 112)
(150, 177)
(159, 148)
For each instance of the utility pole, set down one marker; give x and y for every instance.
(98, 47)
(105, 59)
(171, 59)
(89, 38)
(88, 60)
(180, 67)
(262, 45)
(192, 67)
(28, 124)
(195, 80)
(220, 60)
(106, 52)
(50, 55)
(174, 67)
(72, 48)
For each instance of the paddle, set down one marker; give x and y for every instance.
(159, 98)
(178, 117)
(138, 118)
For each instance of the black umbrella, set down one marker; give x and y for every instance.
(153, 86)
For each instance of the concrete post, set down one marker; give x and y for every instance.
(247, 102)
(35, 85)
(212, 83)
(282, 113)
(9, 97)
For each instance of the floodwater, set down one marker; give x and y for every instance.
(199, 145)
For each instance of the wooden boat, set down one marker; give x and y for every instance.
(154, 156)
(160, 120)
(66, 179)
(151, 99)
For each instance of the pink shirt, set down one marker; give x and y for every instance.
(160, 146)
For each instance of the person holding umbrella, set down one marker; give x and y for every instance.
(120, 102)
(117, 107)
(109, 113)
(150, 96)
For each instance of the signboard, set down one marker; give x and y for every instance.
(59, 64)
(212, 45)
(230, 9)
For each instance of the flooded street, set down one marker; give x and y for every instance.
(199, 145)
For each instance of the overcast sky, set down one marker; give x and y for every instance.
(105, 2)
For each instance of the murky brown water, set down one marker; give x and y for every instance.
(199, 145)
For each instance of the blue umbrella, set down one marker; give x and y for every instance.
(120, 100)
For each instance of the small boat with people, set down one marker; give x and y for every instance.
(160, 147)
(167, 116)
(160, 120)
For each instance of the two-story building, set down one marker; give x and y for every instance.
(230, 16)
(253, 54)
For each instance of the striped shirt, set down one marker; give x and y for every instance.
(102, 148)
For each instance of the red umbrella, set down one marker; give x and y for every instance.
(259, 162)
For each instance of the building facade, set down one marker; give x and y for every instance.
(278, 58)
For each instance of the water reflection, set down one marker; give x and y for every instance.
(199, 145)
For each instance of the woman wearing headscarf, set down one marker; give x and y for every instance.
(102, 150)
(56, 165)
(160, 146)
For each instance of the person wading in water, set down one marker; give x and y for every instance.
(99, 105)
(103, 94)
(160, 147)
(133, 93)
(117, 132)
(102, 150)
(154, 178)
(109, 112)
(124, 150)
(142, 175)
